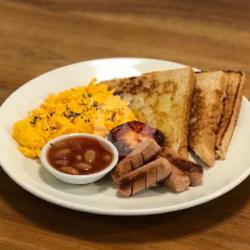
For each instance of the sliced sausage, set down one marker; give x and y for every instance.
(151, 177)
(139, 156)
(136, 160)
(191, 169)
(126, 189)
(144, 177)
(139, 184)
(163, 170)
(177, 181)
(121, 169)
(162, 166)
(148, 149)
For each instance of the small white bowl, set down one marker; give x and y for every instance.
(79, 179)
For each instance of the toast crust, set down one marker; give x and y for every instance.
(183, 149)
(230, 115)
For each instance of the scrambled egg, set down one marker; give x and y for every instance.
(92, 109)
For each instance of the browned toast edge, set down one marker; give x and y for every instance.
(221, 149)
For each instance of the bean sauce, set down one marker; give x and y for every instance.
(78, 156)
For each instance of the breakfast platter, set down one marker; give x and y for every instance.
(170, 137)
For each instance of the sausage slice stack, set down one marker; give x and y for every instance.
(148, 165)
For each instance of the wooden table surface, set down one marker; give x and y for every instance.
(37, 36)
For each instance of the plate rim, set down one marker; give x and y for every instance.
(118, 212)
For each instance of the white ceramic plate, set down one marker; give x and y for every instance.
(101, 197)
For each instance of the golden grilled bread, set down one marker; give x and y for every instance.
(231, 108)
(207, 107)
(162, 99)
(215, 107)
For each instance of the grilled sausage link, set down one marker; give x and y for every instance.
(191, 169)
(144, 177)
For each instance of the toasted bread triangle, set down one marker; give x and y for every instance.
(231, 108)
(207, 107)
(162, 99)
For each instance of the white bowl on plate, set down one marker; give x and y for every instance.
(79, 179)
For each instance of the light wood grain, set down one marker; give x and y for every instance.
(37, 36)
